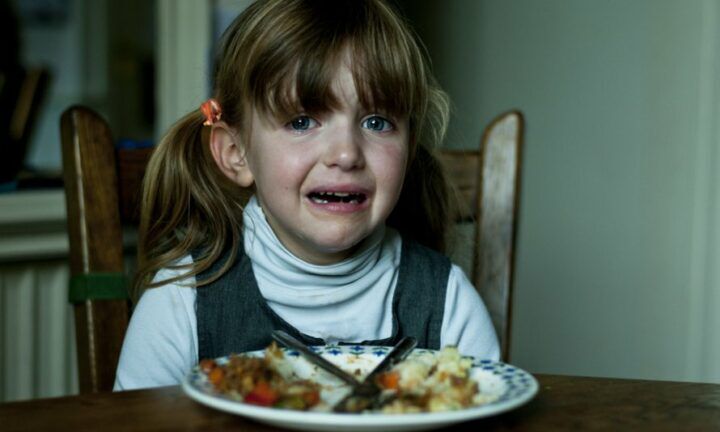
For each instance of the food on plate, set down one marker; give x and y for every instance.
(424, 382)
(257, 381)
(431, 382)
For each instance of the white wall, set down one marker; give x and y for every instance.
(183, 59)
(187, 33)
(617, 253)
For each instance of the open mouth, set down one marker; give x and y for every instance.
(337, 197)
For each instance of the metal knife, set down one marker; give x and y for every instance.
(313, 357)
(365, 395)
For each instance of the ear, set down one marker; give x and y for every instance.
(229, 155)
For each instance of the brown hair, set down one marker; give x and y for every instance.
(278, 56)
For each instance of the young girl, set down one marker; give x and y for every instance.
(324, 114)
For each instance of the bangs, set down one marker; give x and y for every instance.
(294, 69)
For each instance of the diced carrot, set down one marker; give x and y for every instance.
(311, 398)
(390, 380)
(262, 395)
(216, 375)
(206, 365)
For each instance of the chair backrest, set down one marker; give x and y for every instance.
(488, 182)
(97, 287)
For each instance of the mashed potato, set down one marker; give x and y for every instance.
(431, 382)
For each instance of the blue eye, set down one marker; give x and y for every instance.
(302, 123)
(377, 124)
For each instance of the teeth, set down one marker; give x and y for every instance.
(346, 197)
(337, 194)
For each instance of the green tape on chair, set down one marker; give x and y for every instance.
(98, 286)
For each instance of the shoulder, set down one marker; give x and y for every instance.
(170, 298)
(467, 323)
(160, 343)
(459, 286)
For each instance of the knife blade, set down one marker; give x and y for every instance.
(313, 357)
(366, 394)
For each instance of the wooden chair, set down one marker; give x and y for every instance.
(98, 286)
(488, 181)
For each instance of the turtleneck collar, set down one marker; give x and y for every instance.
(287, 280)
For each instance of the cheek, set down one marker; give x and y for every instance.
(389, 170)
(395, 165)
(281, 169)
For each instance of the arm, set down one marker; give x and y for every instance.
(466, 322)
(160, 345)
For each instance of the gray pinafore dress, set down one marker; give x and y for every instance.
(233, 317)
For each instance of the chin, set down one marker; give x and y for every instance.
(338, 246)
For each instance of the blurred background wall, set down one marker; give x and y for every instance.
(617, 269)
(617, 266)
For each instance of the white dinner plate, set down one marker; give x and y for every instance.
(507, 385)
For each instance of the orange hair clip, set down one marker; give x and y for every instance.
(212, 111)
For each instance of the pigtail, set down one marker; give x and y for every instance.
(187, 206)
(423, 210)
(427, 202)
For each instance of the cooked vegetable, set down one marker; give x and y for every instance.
(262, 395)
(256, 381)
(389, 380)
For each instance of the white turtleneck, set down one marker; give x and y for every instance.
(350, 300)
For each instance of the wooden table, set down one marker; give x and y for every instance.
(564, 403)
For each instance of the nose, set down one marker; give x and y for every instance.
(344, 149)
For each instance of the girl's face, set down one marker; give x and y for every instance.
(327, 182)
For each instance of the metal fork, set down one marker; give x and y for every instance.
(313, 357)
(368, 393)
